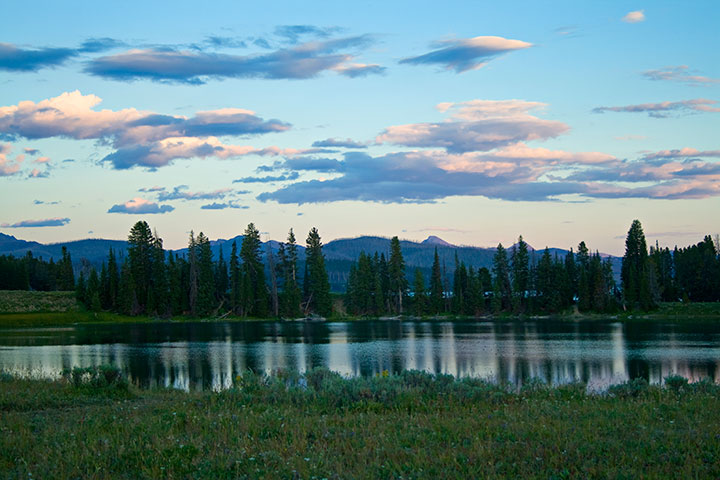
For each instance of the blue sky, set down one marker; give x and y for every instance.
(473, 121)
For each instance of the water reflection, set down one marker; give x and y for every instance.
(209, 356)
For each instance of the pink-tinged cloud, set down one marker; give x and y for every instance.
(42, 160)
(682, 153)
(679, 73)
(664, 109)
(140, 138)
(464, 54)
(478, 125)
(48, 222)
(9, 166)
(36, 173)
(140, 206)
(635, 16)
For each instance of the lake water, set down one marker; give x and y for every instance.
(194, 356)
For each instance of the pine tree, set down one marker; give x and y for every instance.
(113, 280)
(192, 274)
(235, 286)
(140, 253)
(398, 281)
(92, 296)
(206, 276)
(520, 274)
(502, 278)
(255, 295)
(66, 277)
(437, 297)
(318, 288)
(291, 295)
(635, 269)
(419, 296)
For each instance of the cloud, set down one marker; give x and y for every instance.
(635, 16)
(268, 179)
(151, 189)
(663, 109)
(312, 164)
(679, 73)
(48, 222)
(35, 173)
(303, 61)
(682, 153)
(293, 33)
(477, 125)
(466, 54)
(337, 142)
(140, 206)
(42, 160)
(140, 138)
(17, 59)
(180, 193)
(356, 70)
(7, 166)
(42, 202)
(31, 151)
(426, 176)
(223, 206)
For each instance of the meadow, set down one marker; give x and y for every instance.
(92, 424)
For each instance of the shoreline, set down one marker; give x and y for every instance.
(674, 312)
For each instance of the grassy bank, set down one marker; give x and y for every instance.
(407, 426)
(22, 301)
(23, 309)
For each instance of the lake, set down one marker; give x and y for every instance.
(200, 356)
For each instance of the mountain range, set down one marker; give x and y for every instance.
(339, 254)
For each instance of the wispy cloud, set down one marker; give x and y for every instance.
(679, 73)
(140, 206)
(337, 142)
(635, 16)
(223, 206)
(268, 179)
(48, 222)
(686, 152)
(43, 202)
(664, 109)
(293, 33)
(181, 193)
(9, 166)
(302, 61)
(464, 54)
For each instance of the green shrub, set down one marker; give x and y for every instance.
(631, 389)
(676, 383)
(102, 377)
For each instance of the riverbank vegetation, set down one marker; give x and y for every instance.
(414, 425)
(151, 282)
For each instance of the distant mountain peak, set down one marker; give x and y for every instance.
(434, 240)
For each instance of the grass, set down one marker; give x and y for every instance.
(23, 301)
(412, 425)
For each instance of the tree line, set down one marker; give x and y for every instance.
(151, 281)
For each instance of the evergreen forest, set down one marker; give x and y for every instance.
(151, 281)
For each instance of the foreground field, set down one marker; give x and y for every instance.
(412, 425)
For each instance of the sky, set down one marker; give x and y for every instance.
(473, 121)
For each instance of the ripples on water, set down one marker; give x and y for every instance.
(210, 355)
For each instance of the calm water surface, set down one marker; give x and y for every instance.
(209, 355)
